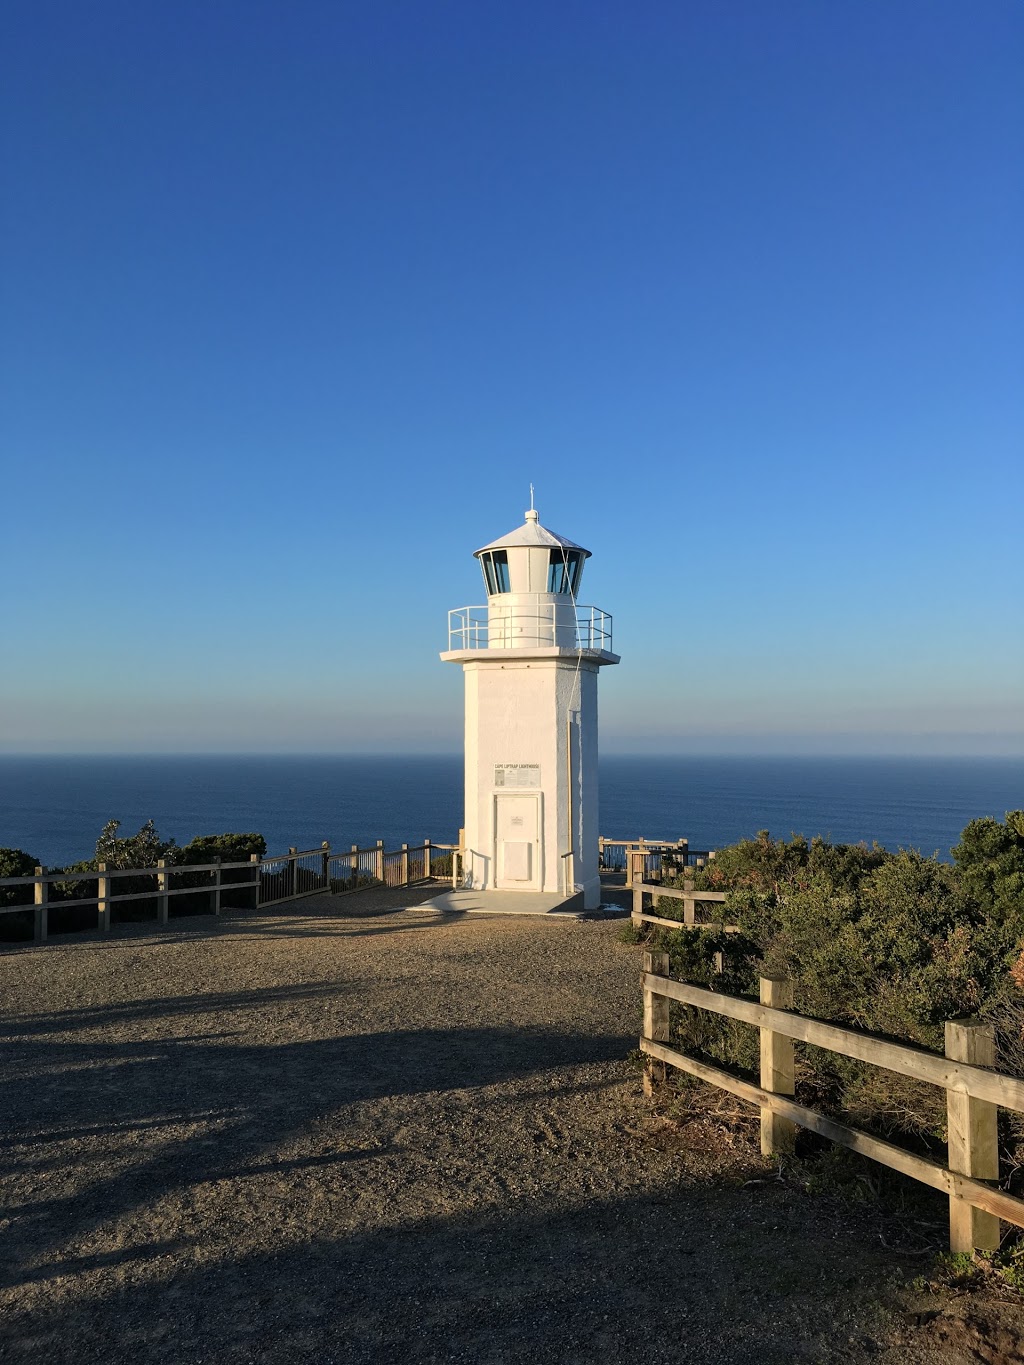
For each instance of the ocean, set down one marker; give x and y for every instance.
(54, 807)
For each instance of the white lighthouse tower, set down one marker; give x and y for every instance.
(531, 658)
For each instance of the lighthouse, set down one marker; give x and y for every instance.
(531, 658)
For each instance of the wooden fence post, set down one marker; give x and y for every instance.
(40, 918)
(636, 866)
(355, 864)
(295, 870)
(255, 859)
(638, 904)
(379, 868)
(325, 864)
(600, 850)
(689, 906)
(778, 1070)
(972, 1142)
(162, 887)
(405, 865)
(655, 1020)
(216, 886)
(102, 899)
(426, 857)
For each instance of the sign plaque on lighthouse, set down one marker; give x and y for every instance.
(531, 657)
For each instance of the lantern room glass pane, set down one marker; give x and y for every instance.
(564, 571)
(495, 569)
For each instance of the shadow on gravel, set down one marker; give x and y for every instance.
(239, 1102)
(163, 1007)
(286, 919)
(400, 921)
(682, 1277)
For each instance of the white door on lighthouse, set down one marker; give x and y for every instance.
(517, 842)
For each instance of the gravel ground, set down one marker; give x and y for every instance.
(353, 1132)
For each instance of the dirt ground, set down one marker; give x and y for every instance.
(353, 1132)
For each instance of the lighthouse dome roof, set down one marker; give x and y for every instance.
(532, 535)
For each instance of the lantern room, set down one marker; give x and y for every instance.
(532, 559)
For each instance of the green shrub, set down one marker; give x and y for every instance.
(891, 942)
(230, 848)
(16, 927)
(122, 853)
(207, 848)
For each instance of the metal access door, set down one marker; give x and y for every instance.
(517, 851)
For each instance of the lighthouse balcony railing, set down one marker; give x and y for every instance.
(539, 625)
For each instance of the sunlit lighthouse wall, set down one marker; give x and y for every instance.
(531, 659)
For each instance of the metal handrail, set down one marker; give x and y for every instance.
(515, 625)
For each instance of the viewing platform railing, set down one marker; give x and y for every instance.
(525, 626)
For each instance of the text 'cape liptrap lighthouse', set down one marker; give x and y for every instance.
(531, 659)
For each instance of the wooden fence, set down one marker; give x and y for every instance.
(378, 866)
(649, 859)
(974, 1091)
(259, 881)
(690, 898)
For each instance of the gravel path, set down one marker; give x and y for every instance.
(353, 1133)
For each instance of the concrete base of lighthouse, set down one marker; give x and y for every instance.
(503, 903)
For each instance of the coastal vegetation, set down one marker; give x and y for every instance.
(895, 943)
(118, 852)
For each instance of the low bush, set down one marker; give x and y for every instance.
(207, 848)
(892, 942)
(16, 926)
(122, 853)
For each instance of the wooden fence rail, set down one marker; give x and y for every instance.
(690, 898)
(974, 1091)
(270, 880)
(648, 858)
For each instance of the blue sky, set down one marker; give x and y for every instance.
(298, 299)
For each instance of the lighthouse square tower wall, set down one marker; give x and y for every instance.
(531, 776)
(531, 658)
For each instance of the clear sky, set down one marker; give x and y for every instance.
(298, 298)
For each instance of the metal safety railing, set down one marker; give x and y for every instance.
(293, 874)
(529, 625)
(378, 866)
